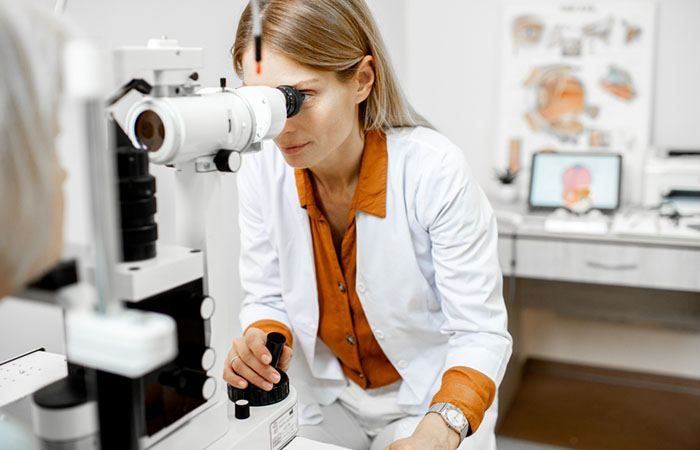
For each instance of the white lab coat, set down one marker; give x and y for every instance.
(428, 275)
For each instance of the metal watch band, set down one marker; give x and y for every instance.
(441, 409)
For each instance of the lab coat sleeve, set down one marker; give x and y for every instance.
(462, 229)
(258, 264)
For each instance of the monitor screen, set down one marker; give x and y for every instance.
(576, 181)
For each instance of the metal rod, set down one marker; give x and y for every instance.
(102, 179)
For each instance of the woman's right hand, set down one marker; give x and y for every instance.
(249, 361)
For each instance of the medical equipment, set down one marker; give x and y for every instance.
(180, 128)
(673, 176)
(177, 124)
(145, 366)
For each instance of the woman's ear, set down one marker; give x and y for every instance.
(364, 77)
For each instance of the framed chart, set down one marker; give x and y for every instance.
(577, 76)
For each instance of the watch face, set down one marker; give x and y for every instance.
(455, 418)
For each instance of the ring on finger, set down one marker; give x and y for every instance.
(230, 361)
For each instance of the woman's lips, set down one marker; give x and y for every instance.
(292, 149)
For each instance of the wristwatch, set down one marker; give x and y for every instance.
(453, 417)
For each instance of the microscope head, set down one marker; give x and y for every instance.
(175, 122)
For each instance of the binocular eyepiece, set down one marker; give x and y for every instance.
(182, 128)
(293, 98)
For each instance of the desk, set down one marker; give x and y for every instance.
(604, 276)
(526, 250)
(631, 279)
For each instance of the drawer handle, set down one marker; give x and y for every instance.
(597, 265)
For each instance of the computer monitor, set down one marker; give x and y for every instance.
(578, 181)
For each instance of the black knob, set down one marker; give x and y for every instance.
(275, 344)
(222, 82)
(227, 161)
(242, 409)
(260, 397)
(137, 203)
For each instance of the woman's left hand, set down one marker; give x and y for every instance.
(432, 433)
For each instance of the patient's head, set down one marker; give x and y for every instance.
(31, 198)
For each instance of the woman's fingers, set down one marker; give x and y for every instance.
(255, 340)
(241, 369)
(230, 376)
(264, 372)
(233, 378)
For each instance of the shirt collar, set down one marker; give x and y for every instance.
(370, 193)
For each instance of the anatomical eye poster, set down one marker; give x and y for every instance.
(575, 76)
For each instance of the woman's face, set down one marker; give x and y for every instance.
(328, 118)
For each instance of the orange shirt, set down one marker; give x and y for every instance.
(343, 326)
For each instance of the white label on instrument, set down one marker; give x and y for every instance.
(284, 428)
(25, 374)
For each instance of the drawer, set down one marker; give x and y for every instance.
(675, 268)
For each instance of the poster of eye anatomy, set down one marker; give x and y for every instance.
(576, 76)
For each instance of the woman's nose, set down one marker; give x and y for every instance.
(289, 125)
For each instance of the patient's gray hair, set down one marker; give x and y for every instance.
(31, 42)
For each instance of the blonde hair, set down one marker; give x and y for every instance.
(332, 36)
(30, 85)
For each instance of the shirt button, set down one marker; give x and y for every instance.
(379, 334)
(350, 339)
(341, 286)
(402, 364)
(362, 377)
(361, 288)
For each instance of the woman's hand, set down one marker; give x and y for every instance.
(249, 361)
(432, 433)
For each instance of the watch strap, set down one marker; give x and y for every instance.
(441, 408)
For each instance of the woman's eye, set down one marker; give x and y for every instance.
(305, 96)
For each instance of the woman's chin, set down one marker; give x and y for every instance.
(296, 161)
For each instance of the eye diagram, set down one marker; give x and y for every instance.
(559, 102)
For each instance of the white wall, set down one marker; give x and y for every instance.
(452, 75)
(452, 72)
(676, 119)
(391, 17)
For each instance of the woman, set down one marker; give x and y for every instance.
(31, 198)
(365, 239)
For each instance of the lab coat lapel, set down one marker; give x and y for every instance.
(301, 295)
